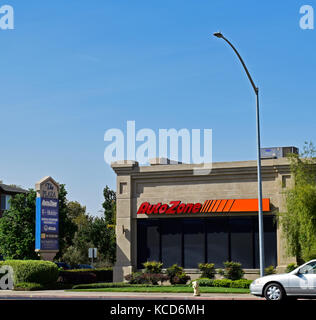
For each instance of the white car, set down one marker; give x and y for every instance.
(299, 283)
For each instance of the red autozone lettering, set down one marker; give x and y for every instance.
(172, 209)
(175, 207)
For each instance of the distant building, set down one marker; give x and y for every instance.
(6, 193)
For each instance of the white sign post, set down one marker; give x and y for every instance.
(92, 253)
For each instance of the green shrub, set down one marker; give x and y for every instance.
(177, 275)
(232, 271)
(33, 271)
(173, 270)
(135, 278)
(152, 267)
(226, 283)
(207, 269)
(180, 278)
(155, 278)
(269, 270)
(220, 271)
(146, 278)
(290, 267)
(241, 283)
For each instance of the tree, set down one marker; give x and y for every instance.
(67, 227)
(91, 232)
(103, 238)
(77, 253)
(109, 243)
(299, 222)
(109, 205)
(17, 228)
(77, 213)
(75, 210)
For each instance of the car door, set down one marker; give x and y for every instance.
(304, 281)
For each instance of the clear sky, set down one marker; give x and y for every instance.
(70, 70)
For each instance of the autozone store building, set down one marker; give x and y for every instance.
(167, 213)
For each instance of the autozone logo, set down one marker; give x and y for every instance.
(173, 208)
(209, 206)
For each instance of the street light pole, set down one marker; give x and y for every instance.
(260, 215)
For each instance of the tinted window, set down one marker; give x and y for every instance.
(194, 243)
(241, 241)
(147, 242)
(217, 241)
(270, 241)
(188, 242)
(171, 242)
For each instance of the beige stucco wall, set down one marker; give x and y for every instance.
(165, 183)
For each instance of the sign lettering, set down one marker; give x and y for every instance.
(209, 206)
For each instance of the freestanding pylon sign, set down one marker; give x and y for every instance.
(47, 218)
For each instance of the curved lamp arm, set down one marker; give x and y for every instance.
(219, 35)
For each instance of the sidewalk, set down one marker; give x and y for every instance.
(64, 295)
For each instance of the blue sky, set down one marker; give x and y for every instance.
(70, 70)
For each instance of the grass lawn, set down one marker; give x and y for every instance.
(165, 289)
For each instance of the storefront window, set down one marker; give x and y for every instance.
(241, 241)
(270, 241)
(193, 242)
(171, 242)
(148, 235)
(188, 242)
(217, 241)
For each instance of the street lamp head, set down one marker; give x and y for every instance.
(218, 35)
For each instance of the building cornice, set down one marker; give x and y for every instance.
(269, 167)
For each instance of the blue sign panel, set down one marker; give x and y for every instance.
(49, 216)
(47, 224)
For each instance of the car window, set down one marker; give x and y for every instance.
(309, 268)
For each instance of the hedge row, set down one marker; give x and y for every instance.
(32, 271)
(226, 283)
(202, 282)
(110, 285)
(32, 274)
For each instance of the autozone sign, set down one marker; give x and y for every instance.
(209, 206)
